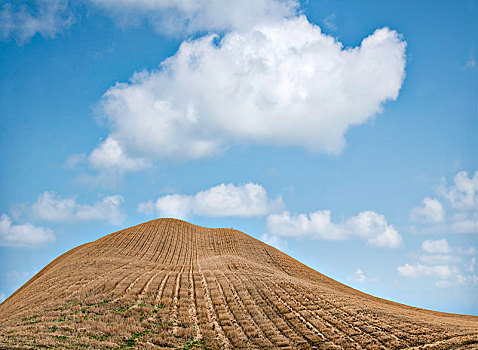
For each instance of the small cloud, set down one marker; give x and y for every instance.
(442, 263)
(360, 277)
(108, 162)
(74, 160)
(52, 207)
(329, 22)
(20, 21)
(23, 235)
(436, 246)
(110, 156)
(463, 195)
(461, 200)
(465, 225)
(468, 280)
(431, 212)
(418, 270)
(2, 297)
(246, 200)
(189, 16)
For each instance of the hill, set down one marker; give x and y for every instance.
(170, 284)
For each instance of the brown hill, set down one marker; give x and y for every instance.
(170, 284)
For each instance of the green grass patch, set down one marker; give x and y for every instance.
(193, 344)
(30, 318)
(129, 343)
(32, 322)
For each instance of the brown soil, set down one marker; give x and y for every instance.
(170, 284)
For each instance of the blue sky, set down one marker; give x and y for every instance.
(342, 132)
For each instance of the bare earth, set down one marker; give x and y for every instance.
(170, 284)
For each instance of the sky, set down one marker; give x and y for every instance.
(344, 133)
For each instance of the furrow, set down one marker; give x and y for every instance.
(340, 313)
(277, 329)
(223, 340)
(329, 329)
(175, 302)
(249, 325)
(193, 315)
(278, 305)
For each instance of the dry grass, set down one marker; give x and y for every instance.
(169, 284)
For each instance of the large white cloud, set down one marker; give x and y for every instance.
(21, 21)
(245, 200)
(189, 16)
(280, 83)
(367, 225)
(52, 207)
(23, 234)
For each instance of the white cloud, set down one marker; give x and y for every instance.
(109, 159)
(52, 207)
(432, 211)
(444, 264)
(110, 156)
(281, 83)
(463, 195)
(419, 270)
(436, 246)
(465, 225)
(223, 200)
(23, 234)
(21, 21)
(360, 277)
(275, 241)
(367, 225)
(2, 297)
(461, 200)
(329, 22)
(468, 280)
(74, 160)
(189, 16)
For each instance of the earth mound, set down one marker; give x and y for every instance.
(170, 284)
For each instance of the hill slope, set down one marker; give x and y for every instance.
(170, 284)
